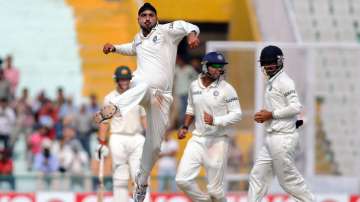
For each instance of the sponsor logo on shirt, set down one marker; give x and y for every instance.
(231, 99)
(216, 93)
(289, 93)
(197, 92)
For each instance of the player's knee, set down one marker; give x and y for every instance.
(156, 149)
(253, 174)
(216, 192)
(182, 184)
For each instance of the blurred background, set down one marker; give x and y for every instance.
(54, 76)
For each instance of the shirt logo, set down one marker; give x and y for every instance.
(231, 99)
(216, 93)
(289, 93)
(155, 39)
(196, 93)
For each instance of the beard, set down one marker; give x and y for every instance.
(147, 28)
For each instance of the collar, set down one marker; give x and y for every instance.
(214, 84)
(276, 75)
(152, 31)
(270, 81)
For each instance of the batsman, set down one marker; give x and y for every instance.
(126, 140)
(155, 47)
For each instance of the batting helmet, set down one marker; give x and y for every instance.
(271, 55)
(215, 59)
(122, 72)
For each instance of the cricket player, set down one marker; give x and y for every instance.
(279, 117)
(214, 105)
(126, 139)
(155, 47)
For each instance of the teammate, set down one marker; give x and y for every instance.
(214, 105)
(155, 47)
(126, 140)
(279, 117)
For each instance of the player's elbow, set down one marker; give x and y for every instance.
(297, 107)
(237, 116)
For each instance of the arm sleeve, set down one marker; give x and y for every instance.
(294, 106)
(126, 49)
(233, 107)
(190, 105)
(178, 29)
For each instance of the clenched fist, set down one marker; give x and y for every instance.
(262, 116)
(108, 48)
(208, 119)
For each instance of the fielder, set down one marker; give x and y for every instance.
(279, 116)
(214, 105)
(155, 47)
(126, 139)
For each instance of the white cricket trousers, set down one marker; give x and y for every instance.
(211, 153)
(157, 106)
(126, 151)
(277, 158)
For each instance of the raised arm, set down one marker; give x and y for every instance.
(123, 49)
(179, 29)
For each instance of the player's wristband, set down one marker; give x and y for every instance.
(185, 127)
(101, 141)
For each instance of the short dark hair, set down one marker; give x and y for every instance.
(146, 6)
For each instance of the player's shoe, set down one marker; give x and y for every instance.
(140, 190)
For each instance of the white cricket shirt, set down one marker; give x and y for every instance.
(281, 98)
(156, 53)
(126, 124)
(220, 100)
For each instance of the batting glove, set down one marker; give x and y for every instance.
(102, 150)
(106, 112)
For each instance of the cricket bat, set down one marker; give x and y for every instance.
(100, 193)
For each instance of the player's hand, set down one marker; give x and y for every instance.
(208, 119)
(102, 150)
(182, 133)
(109, 48)
(262, 116)
(193, 40)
